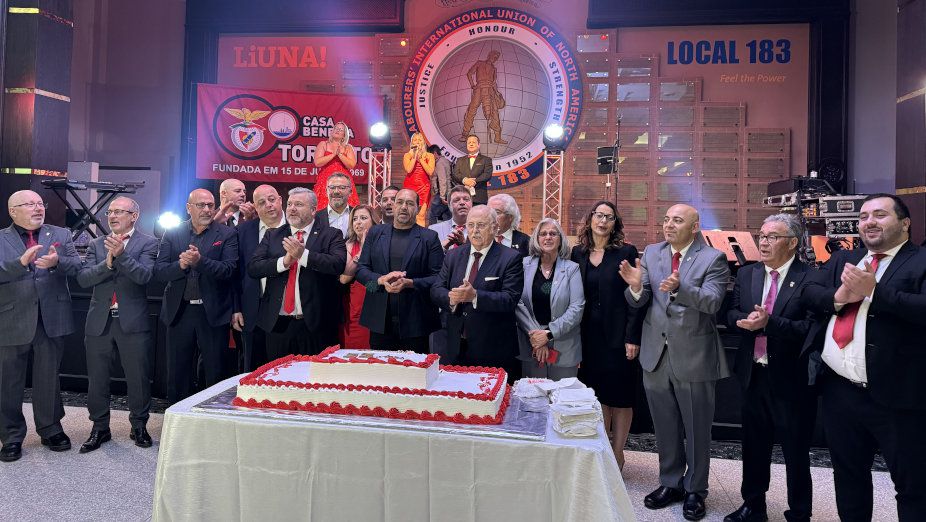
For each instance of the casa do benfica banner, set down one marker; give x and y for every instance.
(270, 136)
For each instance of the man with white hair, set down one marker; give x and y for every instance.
(509, 218)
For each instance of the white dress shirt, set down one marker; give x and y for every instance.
(469, 266)
(849, 362)
(508, 237)
(767, 285)
(340, 221)
(303, 262)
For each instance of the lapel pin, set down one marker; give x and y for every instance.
(791, 285)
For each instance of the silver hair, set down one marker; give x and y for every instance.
(337, 174)
(511, 207)
(135, 208)
(313, 199)
(533, 248)
(493, 218)
(791, 221)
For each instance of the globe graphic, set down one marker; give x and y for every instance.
(522, 82)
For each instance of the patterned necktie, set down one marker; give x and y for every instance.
(761, 346)
(499, 238)
(31, 242)
(113, 302)
(289, 296)
(843, 330)
(475, 268)
(676, 259)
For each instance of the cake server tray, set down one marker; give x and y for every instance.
(523, 420)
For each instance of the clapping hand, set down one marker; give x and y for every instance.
(247, 211)
(632, 275)
(756, 320)
(190, 257)
(49, 260)
(114, 245)
(29, 255)
(465, 293)
(669, 284)
(294, 250)
(860, 283)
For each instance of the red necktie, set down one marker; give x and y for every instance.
(676, 259)
(289, 297)
(475, 268)
(845, 323)
(112, 303)
(31, 242)
(761, 346)
(499, 238)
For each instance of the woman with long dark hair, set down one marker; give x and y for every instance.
(353, 334)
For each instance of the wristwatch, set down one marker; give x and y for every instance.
(549, 335)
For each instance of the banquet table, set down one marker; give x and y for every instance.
(215, 466)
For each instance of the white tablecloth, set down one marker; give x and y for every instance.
(221, 467)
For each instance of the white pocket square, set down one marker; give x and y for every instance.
(487, 279)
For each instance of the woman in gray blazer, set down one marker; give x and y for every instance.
(551, 306)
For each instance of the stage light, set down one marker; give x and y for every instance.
(169, 220)
(380, 137)
(554, 138)
(403, 42)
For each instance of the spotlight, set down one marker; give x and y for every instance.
(554, 138)
(380, 137)
(169, 220)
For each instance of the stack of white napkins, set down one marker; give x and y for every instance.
(576, 412)
(529, 388)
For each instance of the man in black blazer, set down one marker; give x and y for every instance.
(198, 261)
(480, 283)
(269, 207)
(868, 356)
(337, 213)
(35, 311)
(773, 322)
(118, 267)
(398, 265)
(300, 309)
(474, 170)
(509, 218)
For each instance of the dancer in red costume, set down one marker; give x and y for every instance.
(353, 335)
(419, 165)
(335, 155)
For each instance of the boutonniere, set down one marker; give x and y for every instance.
(217, 243)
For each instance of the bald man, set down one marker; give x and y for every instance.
(233, 205)
(35, 311)
(681, 283)
(198, 261)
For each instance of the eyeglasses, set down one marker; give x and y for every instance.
(338, 187)
(771, 238)
(118, 212)
(297, 204)
(202, 206)
(604, 217)
(478, 226)
(31, 205)
(552, 233)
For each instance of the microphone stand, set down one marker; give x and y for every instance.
(609, 190)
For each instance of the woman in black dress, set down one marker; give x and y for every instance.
(610, 328)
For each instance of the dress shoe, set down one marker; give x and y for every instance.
(662, 497)
(12, 451)
(141, 437)
(57, 442)
(746, 514)
(97, 438)
(693, 508)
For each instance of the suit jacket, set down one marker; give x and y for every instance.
(482, 171)
(894, 354)
(128, 278)
(217, 269)
(787, 328)
(567, 302)
(490, 326)
(318, 281)
(248, 288)
(22, 288)
(422, 263)
(687, 320)
(520, 242)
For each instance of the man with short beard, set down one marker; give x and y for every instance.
(337, 213)
(398, 265)
(198, 262)
(867, 355)
(35, 262)
(233, 206)
(387, 203)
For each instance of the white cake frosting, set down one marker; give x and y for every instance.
(375, 368)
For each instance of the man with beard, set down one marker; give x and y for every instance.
(198, 262)
(509, 218)
(269, 207)
(300, 309)
(398, 265)
(681, 353)
(452, 233)
(337, 213)
(118, 267)
(35, 261)
(867, 353)
(387, 203)
(233, 206)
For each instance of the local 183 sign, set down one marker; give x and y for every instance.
(501, 74)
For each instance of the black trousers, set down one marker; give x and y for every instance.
(46, 390)
(191, 330)
(391, 340)
(254, 350)
(135, 353)
(291, 336)
(856, 426)
(764, 415)
(511, 365)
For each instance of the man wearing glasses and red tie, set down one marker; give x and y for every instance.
(35, 311)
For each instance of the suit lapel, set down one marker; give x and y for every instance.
(559, 277)
(758, 283)
(414, 241)
(789, 286)
(686, 262)
(385, 240)
(530, 271)
(486, 265)
(12, 237)
(905, 253)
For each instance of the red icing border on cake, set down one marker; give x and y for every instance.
(393, 413)
(326, 358)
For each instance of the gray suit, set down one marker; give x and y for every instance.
(567, 303)
(682, 357)
(35, 311)
(128, 329)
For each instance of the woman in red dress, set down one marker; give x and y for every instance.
(353, 335)
(335, 155)
(419, 165)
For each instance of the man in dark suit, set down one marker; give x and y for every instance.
(234, 208)
(118, 267)
(473, 171)
(480, 284)
(198, 262)
(773, 322)
(509, 218)
(269, 207)
(681, 354)
(867, 352)
(398, 264)
(337, 213)
(300, 309)
(35, 311)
